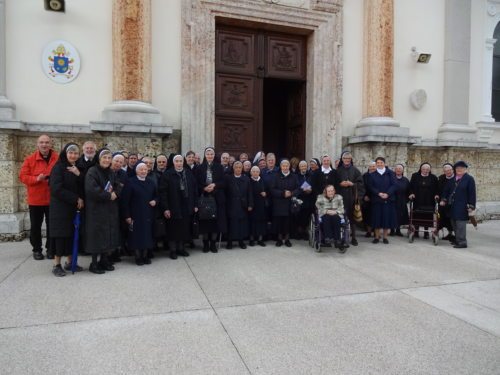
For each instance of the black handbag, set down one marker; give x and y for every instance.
(207, 207)
(195, 226)
(160, 229)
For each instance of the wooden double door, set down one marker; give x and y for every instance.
(260, 92)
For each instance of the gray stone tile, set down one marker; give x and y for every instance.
(473, 313)
(12, 255)
(404, 265)
(32, 295)
(485, 293)
(256, 275)
(179, 343)
(375, 333)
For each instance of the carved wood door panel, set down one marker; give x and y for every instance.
(296, 113)
(243, 59)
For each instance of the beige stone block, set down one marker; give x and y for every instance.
(118, 143)
(173, 145)
(8, 146)
(469, 156)
(22, 198)
(148, 146)
(80, 140)
(8, 174)
(486, 176)
(489, 159)
(488, 192)
(8, 200)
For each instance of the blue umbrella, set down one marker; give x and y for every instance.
(74, 259)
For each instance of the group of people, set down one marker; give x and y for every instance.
(132, 204)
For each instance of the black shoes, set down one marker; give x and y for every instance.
(261, 243)
(375, 240)
(242, 245)
(354, 242)
(58, 271)
(173, 254)
(213, 247)
(37, 255)
(251, 243)
(147, 260)
(94, 268)
(106, 266)
(206, 247)
(182, 253)
(229, 245)
(385, 240)
(67, 267)
(279, 243)
(460, 246)
(288, 243)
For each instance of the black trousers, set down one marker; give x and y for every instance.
(331, 226)
(37, 213)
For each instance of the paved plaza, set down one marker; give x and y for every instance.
(378, 309)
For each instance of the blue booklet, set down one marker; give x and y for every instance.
(305, 186)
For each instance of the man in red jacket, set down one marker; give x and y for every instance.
(35, 173)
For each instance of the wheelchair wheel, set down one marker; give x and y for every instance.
(312, 232)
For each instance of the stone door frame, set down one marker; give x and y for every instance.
(323, 22)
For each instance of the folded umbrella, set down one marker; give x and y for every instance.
(74, 259)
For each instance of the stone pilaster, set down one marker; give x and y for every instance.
(7, 108)
(377, 123)
(455, 125)
(131, 109)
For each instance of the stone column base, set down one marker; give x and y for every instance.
(131, 116)
(381, 129)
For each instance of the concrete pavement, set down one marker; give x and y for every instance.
(378, 309)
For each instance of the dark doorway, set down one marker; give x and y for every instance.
(260, 80)
(283, 107)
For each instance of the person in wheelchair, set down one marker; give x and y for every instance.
(330, 212)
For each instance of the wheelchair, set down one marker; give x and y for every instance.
(316, 237)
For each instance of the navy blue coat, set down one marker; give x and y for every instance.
(385, 183)
(172, 197)
(135, 204)
(238, 196)
(461, 195)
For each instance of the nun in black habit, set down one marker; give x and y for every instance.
(139, 200)
(178, 194)
(210, 180)
(258, 217)
(402, 194)
(239, 200)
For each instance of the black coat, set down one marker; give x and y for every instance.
(308, 199)
(259, 202)
(402, 194)
(219, 181)
(238, 196)
(348, 194)
(425, 189)
(281, 205)
(65, 189)
(461, 195)
(385, 183)
(102, 231)
(320, 180)
(172, 198)
(135, 204)
(83, 166)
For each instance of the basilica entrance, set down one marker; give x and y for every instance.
(260, 86)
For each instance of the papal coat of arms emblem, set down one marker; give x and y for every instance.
(60, 61)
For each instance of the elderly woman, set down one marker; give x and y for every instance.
(247, 165)
(350, 188)
(258, 221)
(210, 180)
(300, 221)
(285, 185)
(366, 207)
(402, 194)
(239, 200)
(330, 211)
(66, 198)
(314, 165)
(444, 211)
(190, 160)
(102, 230)
(460, 196)
(382, 186)
(178, 193)
(424, 191)
(138, 203)
(121, 177)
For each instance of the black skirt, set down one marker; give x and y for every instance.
(62, 246)
(179, 229)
